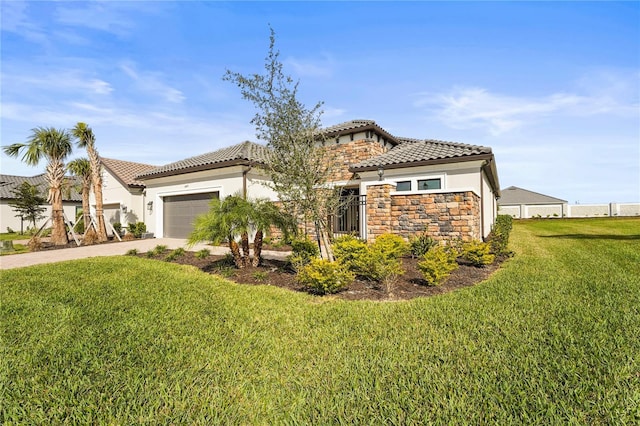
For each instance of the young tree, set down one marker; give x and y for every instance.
(54, 145)
(299, 166)
(28, 203)
(82, 168)
(86, 139)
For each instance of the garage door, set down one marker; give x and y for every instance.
(181, 210)
(111, 215)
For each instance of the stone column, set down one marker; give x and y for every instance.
(378, 210)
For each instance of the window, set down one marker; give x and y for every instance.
(426, 184)
(403, 186)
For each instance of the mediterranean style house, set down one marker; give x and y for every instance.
(122, 193)
(71, 201)
(401, 185)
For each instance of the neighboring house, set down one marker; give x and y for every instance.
(71, 200)
(122, 194)
(400, 185)
(523, 204)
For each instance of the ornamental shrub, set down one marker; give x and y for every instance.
(420, 244)
(324, 276)
(137, 229)
(477, 253)
(437, 264)
(390, 245)
(379, 261)
(350, 251)
(202, 254)
(303, 250)
(499, 236)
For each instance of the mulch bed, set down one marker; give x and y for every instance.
(278, 273)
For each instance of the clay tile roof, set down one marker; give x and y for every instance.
(357, 125)
(515, 195)
(126, 171)
(242, 153)
(9, 182)
(420, 151)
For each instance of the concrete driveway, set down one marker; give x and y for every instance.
(111, 249)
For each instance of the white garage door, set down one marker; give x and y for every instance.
(111, 215)
(181, 210)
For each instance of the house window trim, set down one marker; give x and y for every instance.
(414, 184)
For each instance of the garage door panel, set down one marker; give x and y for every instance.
(180, 211)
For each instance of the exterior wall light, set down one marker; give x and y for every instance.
(380, 173)
(150, 206)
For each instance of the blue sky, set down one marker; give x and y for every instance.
(553, 88)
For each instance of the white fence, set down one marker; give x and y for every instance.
(526, 211)
(611, 209)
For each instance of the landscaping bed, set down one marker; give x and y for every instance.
(279, 273)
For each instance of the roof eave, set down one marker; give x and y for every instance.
(372, 126)
(199, 168)
(448, 160)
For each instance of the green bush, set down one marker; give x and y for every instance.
(437, 264)
(137, 229)
(117, 226)
(477, 253)
(78, 228)
(382, 268)
(202, 254)
(132, 252)
(303, 250)
(379, 261)
(390, 245)
(174, 254)
(324, 276)
(350, 251)
(159, 249)
(260, 276)
(499, 236)
(420, 244)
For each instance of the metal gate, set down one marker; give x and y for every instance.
(346, 220)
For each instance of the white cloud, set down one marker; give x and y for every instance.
(479, 108)
(15, 19)
(68, 81)
(151, 83)
(322, 67)
(110, 17)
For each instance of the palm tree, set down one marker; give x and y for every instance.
(86, 139)
(226, 220)
(82, 168)
(266, 214)
(236, 217)
(54, 145)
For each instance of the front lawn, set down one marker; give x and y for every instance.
(551, 338)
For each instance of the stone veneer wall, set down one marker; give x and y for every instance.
(353, 152)
(444, 216)
(379, 210)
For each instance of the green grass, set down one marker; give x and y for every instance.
(552, 338)
(18, 248)
(13, 236)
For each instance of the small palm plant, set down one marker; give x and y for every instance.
(235, 218)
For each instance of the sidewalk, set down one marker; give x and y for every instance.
(111, 249)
